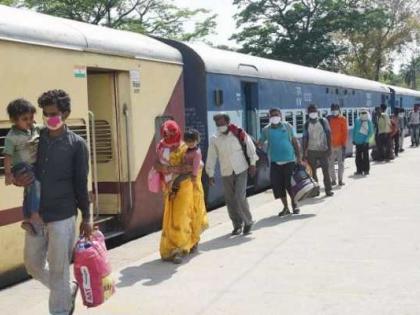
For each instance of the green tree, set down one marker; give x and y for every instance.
(298, 31)
(410, 71)
(157, 17)
(379, 29)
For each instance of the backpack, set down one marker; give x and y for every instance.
(241, 135)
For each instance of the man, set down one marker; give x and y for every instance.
(414, 124)
(233, 148)
(283, 149)
(317, 146)
(402, 124)
(62, 169)
(339, 133)
(384, 140)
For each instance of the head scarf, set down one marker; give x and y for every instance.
(170, 133)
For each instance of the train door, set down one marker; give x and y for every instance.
(250, 108)
(107, 94)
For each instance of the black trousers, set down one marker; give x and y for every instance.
(362, 158)
(384, 146)
(396, 143)
(280, 176)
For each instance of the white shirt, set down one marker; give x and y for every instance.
(231, 157)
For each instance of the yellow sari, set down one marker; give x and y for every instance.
(184, 215)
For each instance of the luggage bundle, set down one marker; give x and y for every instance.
(302, 184)
(92, 270)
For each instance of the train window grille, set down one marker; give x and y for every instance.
(103, 140)
(355, 112)
(350, 117)
(3, 133)
(264, 121)
(344, 112)
(289, 117)
(299, 122)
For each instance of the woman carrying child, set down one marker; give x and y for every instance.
(179, 228)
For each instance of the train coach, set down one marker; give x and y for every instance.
(246, 87)
(122, 85)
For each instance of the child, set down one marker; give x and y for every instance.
(20, 151)
(193, 158)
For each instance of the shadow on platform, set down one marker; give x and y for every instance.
(149, 273)
(276, 220)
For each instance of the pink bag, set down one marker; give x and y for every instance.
(153, 181)
(92, 270)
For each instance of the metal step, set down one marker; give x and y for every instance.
(113, 234)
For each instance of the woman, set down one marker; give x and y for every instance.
(178, 233)
(362, 133)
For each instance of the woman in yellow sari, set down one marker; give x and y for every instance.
(179, 227)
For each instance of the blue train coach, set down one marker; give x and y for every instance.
(246, 87)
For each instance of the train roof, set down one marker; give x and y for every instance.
(229, 62)
(405, 91)
(27, 26)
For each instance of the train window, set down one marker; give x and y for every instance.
(327, 90)
(337, 91)
(3, 133)
(345, 92)
(264, 120)
(353, 92)
(289, 117)
(218, 97)
(299, 122)
(159, 120)
(354, 115)
(350, 117)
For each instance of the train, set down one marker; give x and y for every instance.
(124, 85)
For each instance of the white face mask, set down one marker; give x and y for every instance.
(222, 129)
(364, 116)
(401, 115)
(313, 115)
(335, 112)
(275, 120)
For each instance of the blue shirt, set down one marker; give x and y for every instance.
(280, 146)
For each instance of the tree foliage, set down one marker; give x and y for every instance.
(381, 29)
(157, 17)
(352, 36)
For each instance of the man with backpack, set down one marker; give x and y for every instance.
(339, 132)
(284, 151)
(317, 146)
(237, 156)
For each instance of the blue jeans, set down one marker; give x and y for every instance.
(32, 193)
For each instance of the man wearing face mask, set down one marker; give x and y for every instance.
(283, 149)
(317, 146)
(339, 132)
(414, 123)
(62, 169)
(402, 124)
(226, 146)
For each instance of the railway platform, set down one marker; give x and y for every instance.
(355, 253)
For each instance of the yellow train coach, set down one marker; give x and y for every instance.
(122, 86)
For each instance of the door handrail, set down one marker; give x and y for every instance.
(94, 163)
(127, 136)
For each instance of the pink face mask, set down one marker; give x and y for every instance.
(54, 122)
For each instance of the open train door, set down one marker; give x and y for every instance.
(108, 97)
